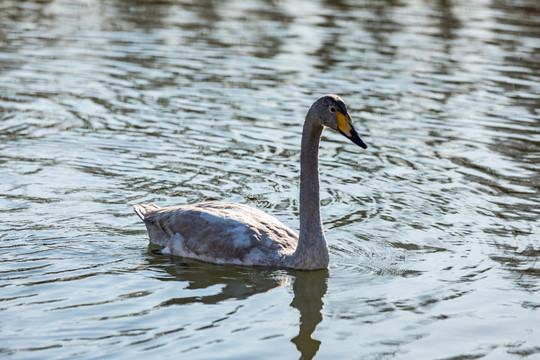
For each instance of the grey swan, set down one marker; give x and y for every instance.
(232, 233)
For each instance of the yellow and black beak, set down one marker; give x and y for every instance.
(346, 128)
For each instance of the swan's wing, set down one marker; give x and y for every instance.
(220, 232)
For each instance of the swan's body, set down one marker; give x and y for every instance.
(232, 233)
(220, 232)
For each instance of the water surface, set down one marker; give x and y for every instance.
(433, 230)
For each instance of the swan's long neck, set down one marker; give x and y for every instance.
(312, 250)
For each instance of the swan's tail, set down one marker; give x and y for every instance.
(142, 209)
(155, 232)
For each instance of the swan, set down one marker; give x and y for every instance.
(232, 233)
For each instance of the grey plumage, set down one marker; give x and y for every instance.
(232, 233)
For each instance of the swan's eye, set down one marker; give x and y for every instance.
(332, 110)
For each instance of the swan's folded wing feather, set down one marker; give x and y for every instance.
(224, 232)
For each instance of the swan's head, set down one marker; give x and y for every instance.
(331, 111)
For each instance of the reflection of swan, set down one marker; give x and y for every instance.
(211, 284)
(234, 282)
(233, 233)
(309, 289)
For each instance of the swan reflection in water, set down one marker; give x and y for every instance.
(235, 282)
(309, 289)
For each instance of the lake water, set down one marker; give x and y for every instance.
(433, 230)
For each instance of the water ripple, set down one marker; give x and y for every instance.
(433, 230)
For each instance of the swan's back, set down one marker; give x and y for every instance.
(219, 232)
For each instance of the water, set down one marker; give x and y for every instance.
(433, 230)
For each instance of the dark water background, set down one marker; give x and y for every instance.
(433, 230)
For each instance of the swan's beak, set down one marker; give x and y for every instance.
(346, 128)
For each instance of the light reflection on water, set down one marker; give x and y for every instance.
(433, 230)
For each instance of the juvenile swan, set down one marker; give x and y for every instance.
(231, 233)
